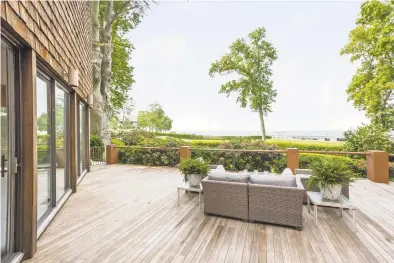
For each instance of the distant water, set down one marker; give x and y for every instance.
(282, 134)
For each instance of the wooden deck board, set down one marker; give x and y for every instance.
(130, 214)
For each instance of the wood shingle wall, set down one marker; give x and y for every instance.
(60, 33)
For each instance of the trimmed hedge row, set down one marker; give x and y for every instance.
(151, 157)
(207, 137)
(233, 161)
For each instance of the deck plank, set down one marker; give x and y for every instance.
(125, 213)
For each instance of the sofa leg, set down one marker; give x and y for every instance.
(299, 228)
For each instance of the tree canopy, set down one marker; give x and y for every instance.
(371, 43)
(251, 61)
(154, 119)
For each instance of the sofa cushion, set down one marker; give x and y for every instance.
(221, 175)
(278, 180)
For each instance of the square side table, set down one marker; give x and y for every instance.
(185, 186)
(317, 200)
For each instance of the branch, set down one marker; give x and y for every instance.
(129, 6)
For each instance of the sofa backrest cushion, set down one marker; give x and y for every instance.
(220, 175)
(277, 180)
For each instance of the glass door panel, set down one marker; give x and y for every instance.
(82, 136)
(43, 146)
(61, 120)
(7, 145)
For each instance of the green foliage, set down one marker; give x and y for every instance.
(368, 137)
(132, 136)
(95, 141)
(151, 157)
(194, 166)
(207, 137)
(356, 166)
(154, 119)
(251, 61)
(238, 161)
(312, 146)
(371, 43)
(326, 172)
(117, 142)
(114, 123)
(158, 142)
(128, 16)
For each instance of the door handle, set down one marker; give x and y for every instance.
(3, 160)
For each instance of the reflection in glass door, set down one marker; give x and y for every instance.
(7, 145)
(82, 139)
(43, 145)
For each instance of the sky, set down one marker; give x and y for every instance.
(177, 42)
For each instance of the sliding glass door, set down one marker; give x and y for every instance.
(7, 150)
(44, 160)
(53, 143)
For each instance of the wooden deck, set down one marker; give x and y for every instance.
(130, 214)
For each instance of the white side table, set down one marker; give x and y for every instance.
(317, 199)
(188, 188)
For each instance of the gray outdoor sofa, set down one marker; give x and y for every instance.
(255, 197)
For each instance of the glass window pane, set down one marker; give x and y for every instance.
(82, 134)
(61, 108)
(43, 146)
(4, 151)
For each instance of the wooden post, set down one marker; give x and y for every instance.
(185, 152)
(74, 149)
(29, 152)
(293, 159)
(111, 154)
(378, 166)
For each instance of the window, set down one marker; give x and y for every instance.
(53, 143)
(82, 136)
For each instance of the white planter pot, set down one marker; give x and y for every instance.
(331, 192)
(194, 180)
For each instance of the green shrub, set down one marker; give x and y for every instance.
(205, 143)
(117, 142)
(368, 137)
(151, 157)
(238, 161)
(95, 141)
(159, 142)
(311, 146)
(132, 136)
(357, 167)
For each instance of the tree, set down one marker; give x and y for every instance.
(108, 18)
(154, 119)
(371, 43)
(368, 137)
(251, 61)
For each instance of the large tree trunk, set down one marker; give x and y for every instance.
(262, 126)
(106, 50)
(96, 113)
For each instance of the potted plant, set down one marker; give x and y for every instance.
(194, 170)
(329, 175)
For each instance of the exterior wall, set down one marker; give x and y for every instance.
(59, 32)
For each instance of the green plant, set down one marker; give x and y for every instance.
(117, 142)
(194, 166)
(151, 157)
(326, 172)
(132, 136)
(369, 137)
(95, 141)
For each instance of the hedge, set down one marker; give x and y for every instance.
(235, 161)
(207, 137)
(151, 157)
(238, 161)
